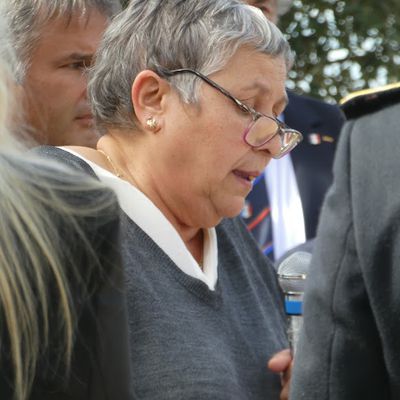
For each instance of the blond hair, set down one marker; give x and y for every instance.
(41, 219)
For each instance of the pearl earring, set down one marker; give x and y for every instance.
(152, 123)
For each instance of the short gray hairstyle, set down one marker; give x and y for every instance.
(26, 18)
(171, 34)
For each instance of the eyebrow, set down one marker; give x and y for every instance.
(79, 56)
(86, 58)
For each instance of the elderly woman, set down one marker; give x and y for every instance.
(186, 94)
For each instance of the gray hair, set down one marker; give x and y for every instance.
(171, 34)
(41, 220)
(26, 18)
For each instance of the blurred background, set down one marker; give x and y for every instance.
(343, 46)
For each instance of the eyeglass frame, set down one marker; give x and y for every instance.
(282, 127)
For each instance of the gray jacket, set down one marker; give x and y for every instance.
(350, 345)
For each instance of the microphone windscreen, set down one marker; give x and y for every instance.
(292, 272)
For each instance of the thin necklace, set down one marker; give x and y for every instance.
(117, 173)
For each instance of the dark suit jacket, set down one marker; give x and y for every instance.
(350, 345)
(313, 162)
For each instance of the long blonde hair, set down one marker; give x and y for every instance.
(39, 211)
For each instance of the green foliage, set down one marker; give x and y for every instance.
(342, 46)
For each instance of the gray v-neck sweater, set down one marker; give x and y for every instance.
(188, 342)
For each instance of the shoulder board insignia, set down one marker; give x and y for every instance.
(367, 101)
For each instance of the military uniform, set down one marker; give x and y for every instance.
(349, 348)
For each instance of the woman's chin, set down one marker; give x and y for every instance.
(233, 209)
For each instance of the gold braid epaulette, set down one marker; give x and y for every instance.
(368, 101)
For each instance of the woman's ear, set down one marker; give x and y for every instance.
(148, 95)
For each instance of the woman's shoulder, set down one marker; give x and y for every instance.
(64, 157)
(59, 185)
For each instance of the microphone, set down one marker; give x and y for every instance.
(292, 273)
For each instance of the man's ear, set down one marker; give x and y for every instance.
(148, 95)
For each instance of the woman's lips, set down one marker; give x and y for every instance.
(248, 176)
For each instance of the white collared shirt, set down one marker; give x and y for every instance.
(140, 209)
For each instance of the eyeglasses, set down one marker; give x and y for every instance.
(262, 129)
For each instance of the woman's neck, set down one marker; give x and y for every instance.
(125, 161)
(196, 247)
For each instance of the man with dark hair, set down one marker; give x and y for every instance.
(292, 189)
(55, 41)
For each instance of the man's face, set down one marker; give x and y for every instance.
(268, 7)
(55, 84)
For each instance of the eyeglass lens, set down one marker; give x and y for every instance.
(265, 130)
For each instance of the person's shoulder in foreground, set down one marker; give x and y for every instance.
(65, 158)
(85, 217)
(348, 348)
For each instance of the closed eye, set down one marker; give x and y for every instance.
(77, 65)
